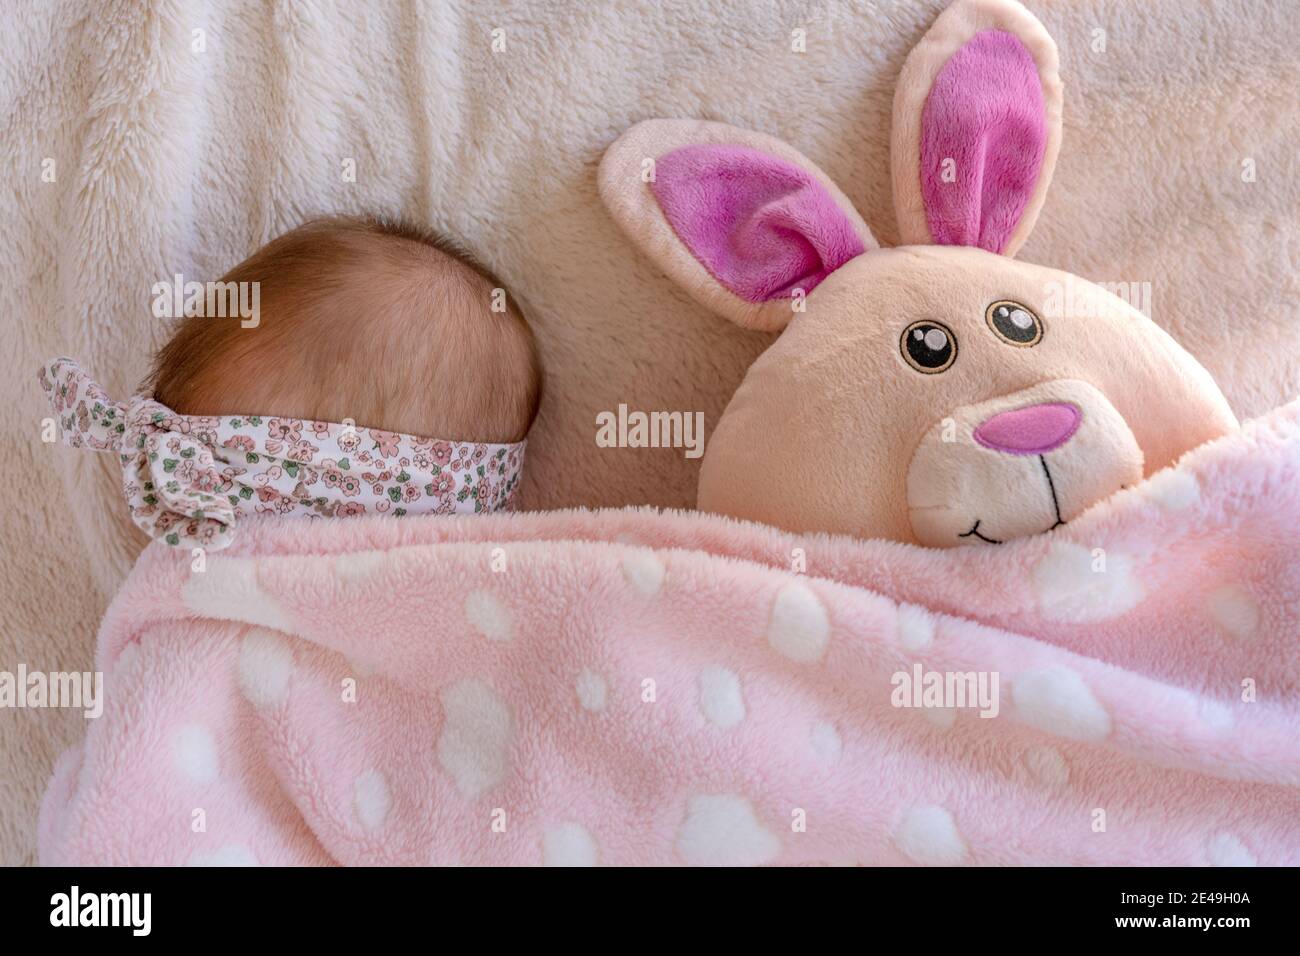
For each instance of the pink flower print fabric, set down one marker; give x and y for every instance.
(188, 478)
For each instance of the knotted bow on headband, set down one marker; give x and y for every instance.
(187, 478)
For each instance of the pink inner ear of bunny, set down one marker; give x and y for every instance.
(985, 113)
(762, 226)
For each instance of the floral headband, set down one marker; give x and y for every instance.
(188, 477)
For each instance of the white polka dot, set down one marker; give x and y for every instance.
(1172, 490)
(592, 691)
(1224, 849)
(1047, 767)
(721, 830)
(474, 746)
(489, 616)
(195, 753)
(643, 571)
(1074, 584)
(228, 590)
(826, 742)
(265, 665)
(232, 854)
(371, 799)
(914, 626)
(928, 835)
(1057, 700)
(568, 845)
(720, 699)
(941, 718)
(799, 628)
(1234, 610)
(358, 565)
(1213, 714)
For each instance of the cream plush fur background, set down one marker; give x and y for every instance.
(171, 160)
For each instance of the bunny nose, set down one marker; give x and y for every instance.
(1030, 431)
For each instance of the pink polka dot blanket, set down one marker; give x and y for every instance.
(188, 478)
(637, 687)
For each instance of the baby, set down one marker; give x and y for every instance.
(387, 374)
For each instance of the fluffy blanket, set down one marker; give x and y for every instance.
(151, 137)
(642, 688)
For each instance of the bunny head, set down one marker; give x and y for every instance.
(939, 392)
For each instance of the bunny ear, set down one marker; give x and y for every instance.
(739, 220)
(977, 126)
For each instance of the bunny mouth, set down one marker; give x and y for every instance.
(974, 531)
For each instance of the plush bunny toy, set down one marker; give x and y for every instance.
(939, 392)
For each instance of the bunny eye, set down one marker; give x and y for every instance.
(1014, 323)
(929, 347)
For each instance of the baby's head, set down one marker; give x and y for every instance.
(386, 374)
(362, 321)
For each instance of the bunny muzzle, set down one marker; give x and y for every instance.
(1018, 465)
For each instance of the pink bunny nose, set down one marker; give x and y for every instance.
(1030, 431)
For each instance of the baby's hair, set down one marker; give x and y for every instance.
(376, 321)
